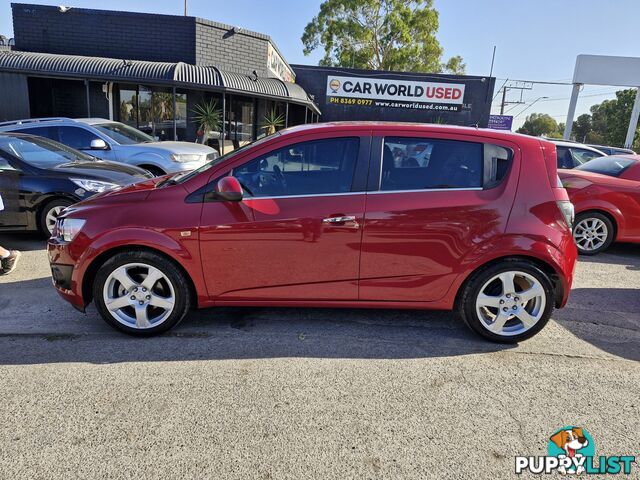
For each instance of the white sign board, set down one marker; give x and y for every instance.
(607, 70)
(277, 65)
(392, 93)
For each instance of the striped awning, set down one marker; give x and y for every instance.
(164, 73)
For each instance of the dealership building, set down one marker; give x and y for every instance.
(152, 71)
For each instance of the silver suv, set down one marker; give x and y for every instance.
(117, 142)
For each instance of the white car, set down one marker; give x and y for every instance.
(117, 142)
(573, 154)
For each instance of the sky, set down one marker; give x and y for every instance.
(534, 39)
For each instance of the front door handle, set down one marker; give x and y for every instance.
(341, 220)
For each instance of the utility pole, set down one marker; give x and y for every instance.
(504, 99)
(185, 8)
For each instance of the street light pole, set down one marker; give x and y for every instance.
(185, 8)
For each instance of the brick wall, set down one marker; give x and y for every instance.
(139, 36)
(241, 52)
(104, 33)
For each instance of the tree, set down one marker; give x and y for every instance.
(379, 35)
(539, 124)
(582, 127)
(610, 119)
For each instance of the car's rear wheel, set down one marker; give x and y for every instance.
(507, 302)
(141, 293)
(593, 233)
(50, 213)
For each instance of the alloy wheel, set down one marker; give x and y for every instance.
(139, 296)
(510, 303)
(590, 234)
(52, 216)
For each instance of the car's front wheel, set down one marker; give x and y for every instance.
(507, 302)
(49, 213)
(141, 293)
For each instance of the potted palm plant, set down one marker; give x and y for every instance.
(272, 121)
(208, 117)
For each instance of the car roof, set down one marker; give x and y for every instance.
(93, 121)
(409, 127)
(565, 143)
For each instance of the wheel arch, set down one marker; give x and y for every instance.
(91, 271)
(547, 268)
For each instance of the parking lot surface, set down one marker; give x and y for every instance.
(298, 393)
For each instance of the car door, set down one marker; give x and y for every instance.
(80, 138)
(424, 215)
(296, 235)
(11, 213)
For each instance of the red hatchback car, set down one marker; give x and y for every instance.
(335, 215)
(606, 194)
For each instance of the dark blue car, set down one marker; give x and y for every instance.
(40, 177)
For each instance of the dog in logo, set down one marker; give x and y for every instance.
(571, 441)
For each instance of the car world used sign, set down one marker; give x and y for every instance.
(387, 93)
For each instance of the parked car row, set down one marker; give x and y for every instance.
(362, 215)
(117, 142)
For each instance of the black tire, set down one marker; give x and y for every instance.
(155, 171)
(44, 212)
(610, 232)
(178, 280)
(471, 290)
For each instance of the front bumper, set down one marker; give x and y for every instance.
(64, 275)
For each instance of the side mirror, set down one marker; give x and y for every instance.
(99, 144)
(229, 189)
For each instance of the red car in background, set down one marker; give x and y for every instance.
(606, 194)
(333, 215)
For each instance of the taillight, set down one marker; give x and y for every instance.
(568, 212)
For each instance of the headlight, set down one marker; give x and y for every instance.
(188, 157)
(95, 186)
(67, 228)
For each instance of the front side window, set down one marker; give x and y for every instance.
(420, 164)
(122, 134)
(307, 168)
(75, 137)
(583, 156)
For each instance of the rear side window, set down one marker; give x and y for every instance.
(420, 164)
(565, 160)
(46, 132)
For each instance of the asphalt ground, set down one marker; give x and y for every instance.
(265, 393)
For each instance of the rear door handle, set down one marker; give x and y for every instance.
(341, 220)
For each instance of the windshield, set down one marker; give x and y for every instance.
(183, 177)
(123, 134)
(611, 166)
(41, 152)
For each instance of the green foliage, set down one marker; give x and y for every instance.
(610, 119)
(272, 121)
(208, 117)
(379, 35)
(539, 124)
